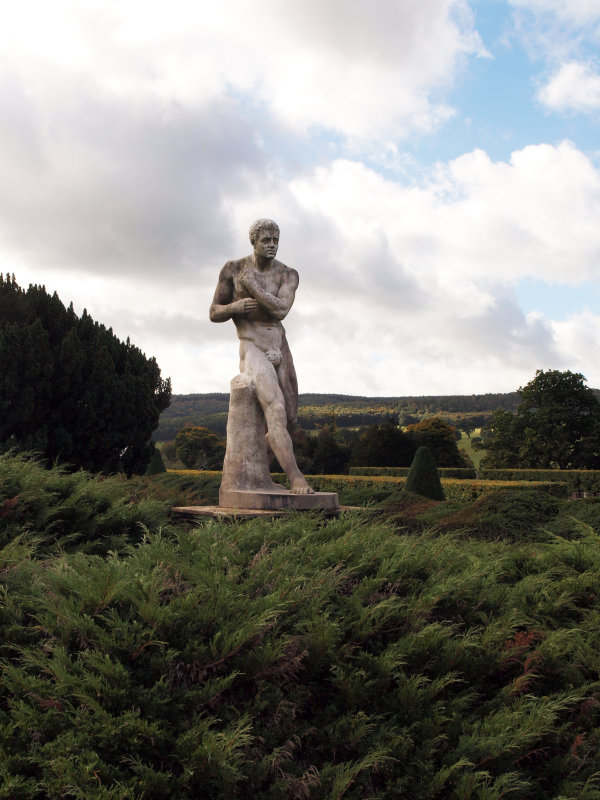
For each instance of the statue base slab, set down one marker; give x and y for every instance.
(196, 514)
(273, 500)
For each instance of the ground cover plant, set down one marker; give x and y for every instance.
(75, 510)
(300, 658)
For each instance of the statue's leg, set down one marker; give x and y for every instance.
(270, 397)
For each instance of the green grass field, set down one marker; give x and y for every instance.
(466, 444)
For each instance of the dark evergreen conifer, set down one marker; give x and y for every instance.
(423, 476)
(70, 389)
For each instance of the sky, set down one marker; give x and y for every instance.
(434, 167)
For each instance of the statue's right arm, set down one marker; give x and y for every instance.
(223, 306)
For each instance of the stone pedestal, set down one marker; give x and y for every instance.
(275, 499)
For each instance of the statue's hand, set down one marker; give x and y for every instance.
(243, 306)
(246, 278)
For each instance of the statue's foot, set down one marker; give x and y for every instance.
(300, 486)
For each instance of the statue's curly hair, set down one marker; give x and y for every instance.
(261, 225)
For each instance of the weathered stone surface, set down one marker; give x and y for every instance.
(273, 500)
(198, 513)
(192, 513)
(257, 292)
(246, 464)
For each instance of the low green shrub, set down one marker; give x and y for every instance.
(190, 487)
(299, 657)
(513, 513)
(71, 509)
(410, 512)
(587, 512)
(91, 513)
(302, 659)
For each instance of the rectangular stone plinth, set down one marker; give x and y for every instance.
(270, 500)
(196, 513)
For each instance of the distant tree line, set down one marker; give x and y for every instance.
(333, 450)
(315, 411)
(556, 425)
(70, 390)
(170, 426)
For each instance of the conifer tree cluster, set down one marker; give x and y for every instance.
(70, 389)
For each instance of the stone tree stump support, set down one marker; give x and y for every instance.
(246, 464)
(247, 482)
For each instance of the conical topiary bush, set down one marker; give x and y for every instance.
(156, 465)
(423, 476)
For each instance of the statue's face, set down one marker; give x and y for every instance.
(266, 243)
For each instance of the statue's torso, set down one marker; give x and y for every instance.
(260, 327)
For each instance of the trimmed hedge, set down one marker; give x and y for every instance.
(363, 489)
(575, 479)
(401, 472)
(454, 489)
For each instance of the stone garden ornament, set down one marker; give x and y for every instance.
(257, 292)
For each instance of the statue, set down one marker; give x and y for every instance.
(257, 292)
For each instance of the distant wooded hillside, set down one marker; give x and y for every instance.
(347, 411)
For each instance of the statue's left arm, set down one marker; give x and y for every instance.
(278, 305)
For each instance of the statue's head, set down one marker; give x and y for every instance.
(262, 225)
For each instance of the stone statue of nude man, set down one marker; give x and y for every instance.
(257, 292)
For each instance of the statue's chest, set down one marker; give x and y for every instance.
(268, 281)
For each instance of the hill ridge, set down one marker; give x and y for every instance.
(209, 409)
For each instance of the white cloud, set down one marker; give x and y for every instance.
(137, 146)
(128, 126)
(416, 280)
(535, 215)
(403, 289)
(580, 338)
(573, 13)
(574, 87)
(558, 31)
(359, 71)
